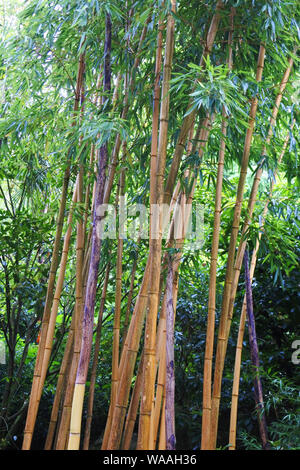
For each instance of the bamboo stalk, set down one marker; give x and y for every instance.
(117, 313)
(155, 116)
(161, 349)
(79, 273)
(56, 298)
(116, 415)
(133, 408)
(210, 331)
(90, 403)
(65, 383)
(189, 118)
(258, 391)
(155, 245)
(162, 434)
(116, 150)
(239, 346)
(71, 370)
(129, 299)
(222, 334)
(62, 433)
(162, 328)
(34, 395)
(115, 421)
(64, 425)
(59, 390)
(254, 191)
(160, 371)
(88, 190)
(170, 377)
(70, 374)
(88, 316)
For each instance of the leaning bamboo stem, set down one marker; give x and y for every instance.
(155, 115)
(207, 374)
(69, 374)
(209, 345)
(117, 313)
(129, 299)
(189, 118)
(258, 391)
(34, 395)
(64, 424)
(222, 334)
(155, 245)
(115, 421)
(170, 377)
(161, 392)
(65, 384)
(56, 298)
(90, 403)
(162, 434)
(133, 408)
(90, 296)
(239, 346)
(116, 150)
(161, 379)
(254, 191)
(128, 356)
(59, 389)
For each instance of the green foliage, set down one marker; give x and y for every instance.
(281, 398)
(40, 45)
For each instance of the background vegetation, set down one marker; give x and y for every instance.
(41, 42)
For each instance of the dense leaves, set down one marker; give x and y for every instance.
(41, 43)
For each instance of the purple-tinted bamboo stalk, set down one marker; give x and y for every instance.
(93, 377)
(88, 317)
(258, 391)
(170, 377)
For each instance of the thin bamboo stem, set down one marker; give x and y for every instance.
(90, 296)
(258, 391)
(35, 390)
(189, 117)
(116, 415)
(170, 374)
(115, 421)
(253, 195)
(222, 333)
(239, 346)
(117, 313)
(93, 376)
(56, 298)
(133, 408)
(129, 299)
(210, 331)
(155, 245)
(128, 90)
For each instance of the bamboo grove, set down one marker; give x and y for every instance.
(155, 103)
